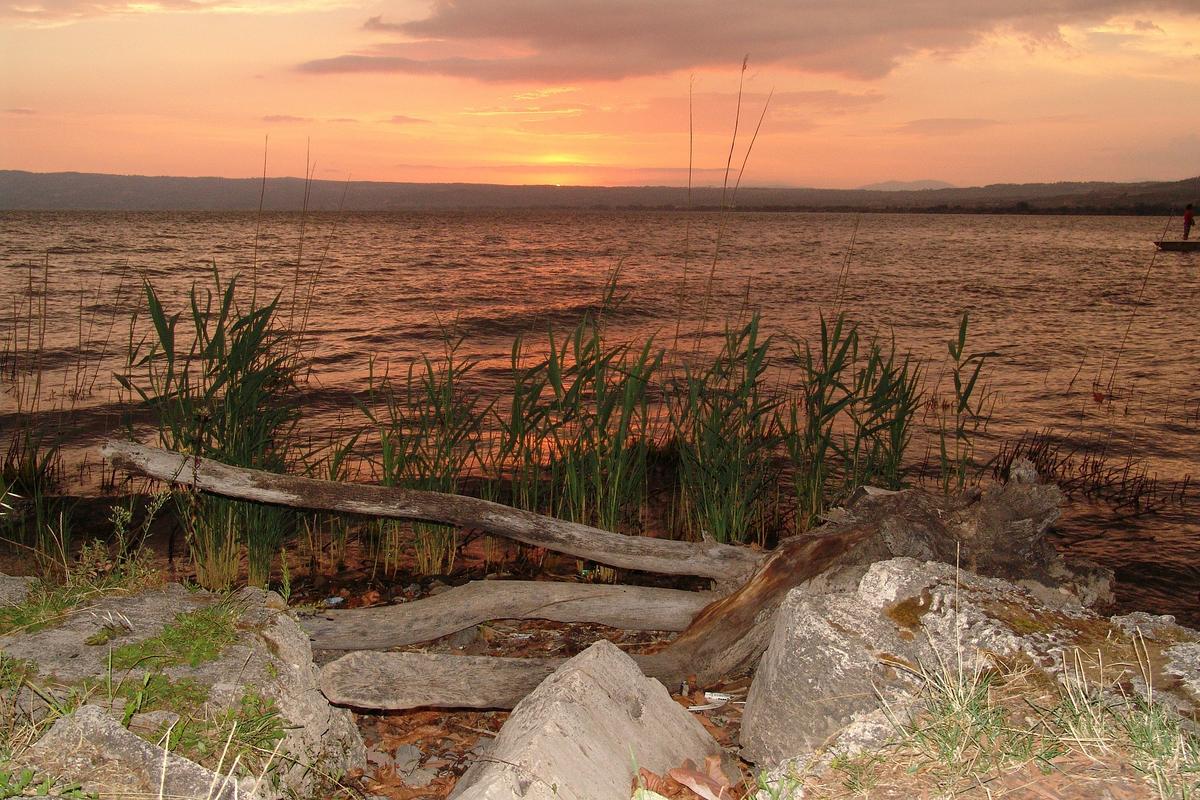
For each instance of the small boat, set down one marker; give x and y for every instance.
(1179, 245)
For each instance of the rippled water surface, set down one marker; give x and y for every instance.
(1082, 348)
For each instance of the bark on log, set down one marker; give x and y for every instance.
(724, 563)
(630, 607)
(368, 679)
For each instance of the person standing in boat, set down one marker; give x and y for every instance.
(1189, 219)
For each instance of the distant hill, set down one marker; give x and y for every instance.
(905, 186)
(79, 191)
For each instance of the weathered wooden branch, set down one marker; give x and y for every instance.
(728, 635)
(710, 560)
(1000, 534)
(628, 607)
(367, 679)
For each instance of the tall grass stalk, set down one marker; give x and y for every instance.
(428, 430)
(221, 389)
(726, 432)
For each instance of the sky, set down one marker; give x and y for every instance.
(824, 93)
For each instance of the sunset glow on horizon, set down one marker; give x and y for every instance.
(604, 93)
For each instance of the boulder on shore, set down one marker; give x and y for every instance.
(266, 662)
(583, 733)
(850, 656)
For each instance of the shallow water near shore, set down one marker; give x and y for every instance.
(1081, 350)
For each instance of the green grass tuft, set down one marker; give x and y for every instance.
(193, 638)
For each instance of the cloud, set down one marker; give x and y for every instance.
(20, 111)
(50, 13)
(285, 118)
(1146, 25)
(401, 119)
(547, 41)
(946, 126)
(709, 112)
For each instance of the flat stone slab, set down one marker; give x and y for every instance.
(583, 732)
(91, 748)
(270, 657)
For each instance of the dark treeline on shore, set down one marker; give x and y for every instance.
(64, 191)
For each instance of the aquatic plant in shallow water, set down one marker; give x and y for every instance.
(725, 428)
(428, 428)
(222, 390)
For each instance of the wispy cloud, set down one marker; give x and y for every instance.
(49, 13)
(402, 119)
(946, 126)
(20, 111)
(285, 118)
(564, 42)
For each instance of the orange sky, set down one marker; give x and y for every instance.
(597, 91)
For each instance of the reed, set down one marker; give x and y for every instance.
(429, 429)
(826, 390)
(886, 398)
(966, 417)
(600, 425)
(726, 431)
(222, 389)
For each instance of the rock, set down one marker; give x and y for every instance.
(842, 652)
(998, 532)
(407, 758)
(13, 589)
(270, 657)
(91, 748)
(420, 778)
(460, 639)
(579, 734)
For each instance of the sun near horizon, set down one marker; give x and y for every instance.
(604, 93)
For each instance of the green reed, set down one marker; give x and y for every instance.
(326, 533)
(966, 417)
(429, 431)
(886, 397)
(600, 425)
(853, 420)
(220, 386)
(517, 457)
(825, 393)
(726, 433)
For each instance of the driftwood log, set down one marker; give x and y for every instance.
(708, 560)
(999, 532)
(633, 608)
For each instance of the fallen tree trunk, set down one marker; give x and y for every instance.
(633, 608)
(368, 679)
(721, 562)
(726, 636)
(998, 533)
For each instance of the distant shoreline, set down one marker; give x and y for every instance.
(74, 191)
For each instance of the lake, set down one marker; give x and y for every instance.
(1093, 334)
